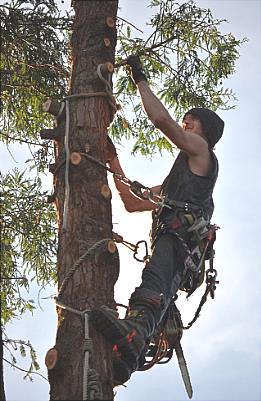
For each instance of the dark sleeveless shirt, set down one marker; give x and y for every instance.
(183, 185)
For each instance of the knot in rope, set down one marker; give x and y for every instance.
(88, 345)
(94, 386)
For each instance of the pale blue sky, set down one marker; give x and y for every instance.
(223, 348)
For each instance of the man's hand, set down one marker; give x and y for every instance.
(110, 150)
(136, 69)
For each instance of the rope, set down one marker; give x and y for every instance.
(108, 90)
(161, 353)
(91, 384)
(68, 308)
(71, 271)
(135, 186)
(87, 350)
(119, 239)
(86, 94)
(112, 103)
(67, 164)
(211, 282)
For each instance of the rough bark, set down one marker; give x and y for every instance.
(2, 388)
(89, 213)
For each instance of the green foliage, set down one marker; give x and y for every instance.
(24, 349)
(186, 58)
(28, 242)
(34, 65)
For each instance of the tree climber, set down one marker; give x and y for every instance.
(186, 211)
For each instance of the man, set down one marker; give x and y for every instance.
(183, 219)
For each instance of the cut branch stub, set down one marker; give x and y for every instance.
(53, 107)
(51, 358)
(110, 67)
(111, 246)
(50, 134)
(110, 22)
(107, 42)
(106, 192)
(75, 158)
(107, 67)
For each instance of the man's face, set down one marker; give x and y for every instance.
(192, 124)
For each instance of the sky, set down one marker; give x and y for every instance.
(222, 349)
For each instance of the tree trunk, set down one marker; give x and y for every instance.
(89, 208)
(2, 387)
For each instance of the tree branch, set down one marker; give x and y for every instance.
(12, 138)
(24, 370)
(124, 20)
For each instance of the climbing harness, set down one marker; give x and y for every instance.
(197, 228)
(211, 282)
(167, 338)
(195, 260)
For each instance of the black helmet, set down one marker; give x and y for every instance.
(212, 124)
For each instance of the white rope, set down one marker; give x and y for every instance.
(86, 358)
(69, 308)
(67, 164)
(108, 88)
(95, 390)
(87, 345)
(86, 94)
(111, 101)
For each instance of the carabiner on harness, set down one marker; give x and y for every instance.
(140, 190)
(211, 281)
(146, 257)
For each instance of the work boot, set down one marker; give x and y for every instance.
(129, 336)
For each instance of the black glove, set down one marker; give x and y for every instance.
(136, 69)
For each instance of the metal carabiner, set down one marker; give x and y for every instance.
(138, 189)
(211, 281)
(137, 249)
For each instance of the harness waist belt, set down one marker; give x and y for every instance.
(184, 205)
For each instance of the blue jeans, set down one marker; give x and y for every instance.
(163, 273)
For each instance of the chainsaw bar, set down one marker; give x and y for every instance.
(183, 368)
